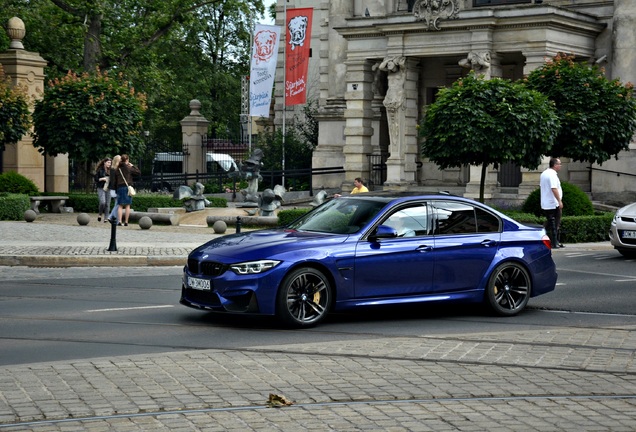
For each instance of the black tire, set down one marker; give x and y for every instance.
(304, 298)
(627, 253)
(509, 289)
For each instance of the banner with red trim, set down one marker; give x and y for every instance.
(263, 68)
(297, 52)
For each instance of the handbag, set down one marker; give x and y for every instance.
(131, 190)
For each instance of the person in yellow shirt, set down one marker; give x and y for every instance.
(358, 186)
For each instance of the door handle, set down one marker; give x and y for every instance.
(488, 243)
(424, 248)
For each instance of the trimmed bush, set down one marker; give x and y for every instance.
(575, 202)
(89, 203)
(13, 206)
(581, 229)
(13, 182)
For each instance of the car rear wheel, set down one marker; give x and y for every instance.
(509, 289)
(304, 298)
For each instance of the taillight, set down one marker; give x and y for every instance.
(546, 241)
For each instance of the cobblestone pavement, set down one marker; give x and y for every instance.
(558, 379)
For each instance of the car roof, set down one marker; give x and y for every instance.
(388, 196)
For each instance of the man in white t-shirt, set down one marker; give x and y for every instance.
(551, 195)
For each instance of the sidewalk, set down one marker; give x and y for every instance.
(57, 240)
(569, 378)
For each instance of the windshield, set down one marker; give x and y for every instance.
(339, 216)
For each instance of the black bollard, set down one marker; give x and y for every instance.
(238, 224)
(113, 236)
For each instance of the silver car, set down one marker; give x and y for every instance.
(623, 231)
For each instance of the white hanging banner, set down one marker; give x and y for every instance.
(263, 68)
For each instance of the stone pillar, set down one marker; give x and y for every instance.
(530, 178)
(624, 41)
(401, 111)
(358, 118)
(193, 128)
(605, 185)
(339, 11)
(330, 116)
(26, 69)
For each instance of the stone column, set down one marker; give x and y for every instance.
(622, 67)
(530, 178)
(193, 128)
(339, 11)
(401, 111)
(26, 69)
(358, 118)
(330, 116)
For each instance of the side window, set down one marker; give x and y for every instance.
(487, 222)
(410, 221)
(454, 218)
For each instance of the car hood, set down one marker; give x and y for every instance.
(266, 243)
(628, 210)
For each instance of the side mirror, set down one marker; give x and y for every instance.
(384, 231)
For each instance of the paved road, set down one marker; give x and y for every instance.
(570, 377)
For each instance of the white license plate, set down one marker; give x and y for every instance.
(198, 284)
(629, 234)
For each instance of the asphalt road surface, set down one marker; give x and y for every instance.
(78, 313)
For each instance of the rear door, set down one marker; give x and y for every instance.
(466, 240)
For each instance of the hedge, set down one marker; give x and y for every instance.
(13, 206)
(89, 203)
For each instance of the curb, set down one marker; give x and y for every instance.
(91, 261)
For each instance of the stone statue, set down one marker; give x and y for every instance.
(195, 199)
(395, 99)
(477, 61)
(250, 171)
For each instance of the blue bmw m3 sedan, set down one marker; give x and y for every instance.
(373, 250)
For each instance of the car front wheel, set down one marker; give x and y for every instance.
(509, 289)
(304, 298)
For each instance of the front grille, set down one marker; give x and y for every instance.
(212, 268)
(206, 298)
(628, 219)
(206, 268)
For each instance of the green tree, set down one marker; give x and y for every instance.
(173, 50)
(14, 112)
(483, 122)
(597, 115)
(89, 117)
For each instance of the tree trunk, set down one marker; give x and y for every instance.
(482, 183)
(92, 43)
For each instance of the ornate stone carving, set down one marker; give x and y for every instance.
(432, 11)
(395, 99)
(394, 67)
(477, 61)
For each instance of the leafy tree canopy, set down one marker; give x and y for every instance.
(482, 122)
(597, 115)
(14, 112)
(89, 117)
(173, 51)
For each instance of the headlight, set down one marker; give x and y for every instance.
(253, 267)
(615, 220)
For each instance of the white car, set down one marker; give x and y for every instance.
(623, 231)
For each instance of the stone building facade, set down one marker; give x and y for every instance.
(377, 63)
